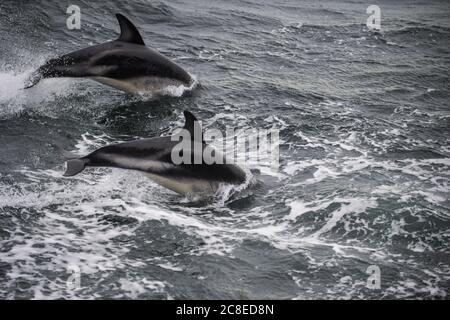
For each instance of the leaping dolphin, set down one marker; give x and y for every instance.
(153, 157)
(125, 64)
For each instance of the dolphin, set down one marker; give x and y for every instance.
(125, 64)
(154, 158)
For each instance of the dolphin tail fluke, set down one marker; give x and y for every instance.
(56, 68)
(35, 77)
(75, 166)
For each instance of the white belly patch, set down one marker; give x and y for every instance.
(185, 186)
(139, 84)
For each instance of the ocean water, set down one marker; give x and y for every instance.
(363, 182)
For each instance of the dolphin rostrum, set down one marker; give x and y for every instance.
(125, 64)
(154, 157)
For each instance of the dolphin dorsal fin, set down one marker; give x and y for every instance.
(128, 31)
(191, 125)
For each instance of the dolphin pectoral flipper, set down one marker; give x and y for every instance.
(75, 166)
